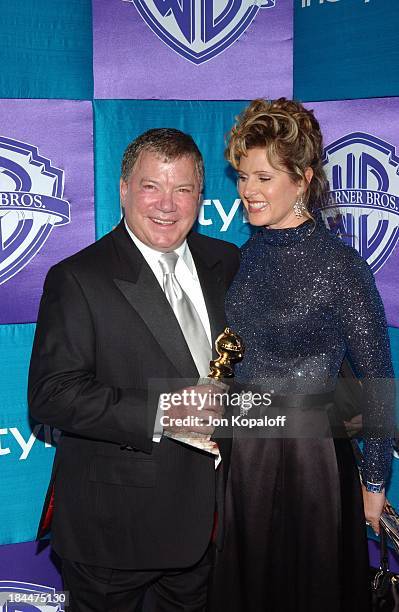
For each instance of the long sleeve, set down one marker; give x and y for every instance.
(364, 326)
(63, 389)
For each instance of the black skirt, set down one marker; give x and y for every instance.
(295, 538)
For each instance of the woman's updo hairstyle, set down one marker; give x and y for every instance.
(292, 138)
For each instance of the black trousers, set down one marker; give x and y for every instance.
(99, 589)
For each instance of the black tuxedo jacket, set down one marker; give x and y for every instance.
(105, 330)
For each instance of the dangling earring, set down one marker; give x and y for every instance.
(299, 206)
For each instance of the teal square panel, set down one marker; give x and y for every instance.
(393, 490)
(118, 122)
(26, 447)
(394, 338)
(345, 49)
(16, 346)
(46, 49)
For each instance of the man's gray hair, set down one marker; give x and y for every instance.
(169, 144)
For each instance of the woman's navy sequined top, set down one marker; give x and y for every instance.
(301, 300)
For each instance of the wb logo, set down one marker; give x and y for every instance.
(199, 30)
(31, 204)
(27, 597)
(363, 172)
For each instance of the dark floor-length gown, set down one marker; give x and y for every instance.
(295, 529)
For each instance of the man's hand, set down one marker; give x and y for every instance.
(354, 426)
(373, 506)
(192, 410)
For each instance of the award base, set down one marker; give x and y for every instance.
(230, 349)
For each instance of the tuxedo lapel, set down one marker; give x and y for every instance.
(141, 289)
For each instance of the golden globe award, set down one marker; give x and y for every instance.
(230, 349)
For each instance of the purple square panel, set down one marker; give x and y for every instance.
(192, 49)
(361, 159)
(46, 196)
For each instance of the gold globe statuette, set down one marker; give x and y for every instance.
(230, 349)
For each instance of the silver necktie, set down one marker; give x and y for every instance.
(186, 314)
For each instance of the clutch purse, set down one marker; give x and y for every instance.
(384, 583)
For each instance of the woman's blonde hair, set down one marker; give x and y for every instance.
(292, 139)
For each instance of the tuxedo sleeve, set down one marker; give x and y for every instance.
(63, 390)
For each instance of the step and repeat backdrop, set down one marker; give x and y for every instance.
(80, 79)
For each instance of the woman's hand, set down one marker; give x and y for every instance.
(373, 506)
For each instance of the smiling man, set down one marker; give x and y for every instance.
(134, 509)
(161, 197)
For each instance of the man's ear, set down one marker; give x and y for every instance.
(122, 190)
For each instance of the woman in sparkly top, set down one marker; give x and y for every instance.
(302, 300)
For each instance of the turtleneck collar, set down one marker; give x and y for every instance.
(290, 235)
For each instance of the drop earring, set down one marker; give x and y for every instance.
(299, 206)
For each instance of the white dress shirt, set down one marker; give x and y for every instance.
(187, 277)
(185, 273)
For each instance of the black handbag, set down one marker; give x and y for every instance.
(384, 583)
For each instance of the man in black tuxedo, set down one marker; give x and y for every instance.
(133, 509)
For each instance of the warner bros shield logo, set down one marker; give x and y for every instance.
(363, 172)
(18, 596)
(31, 204)
(199, 30)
